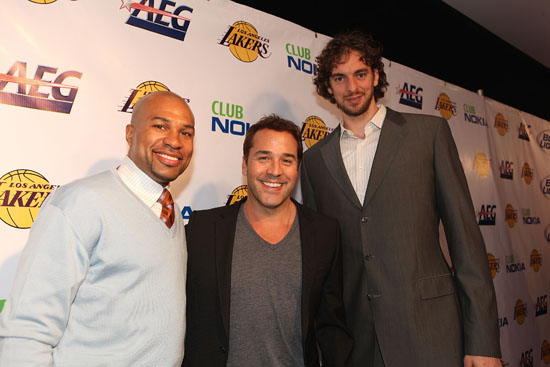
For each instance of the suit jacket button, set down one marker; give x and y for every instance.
(364, 219)
(369, 257)
(222, 348)
(369, 296)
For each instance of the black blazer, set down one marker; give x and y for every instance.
(210, 235)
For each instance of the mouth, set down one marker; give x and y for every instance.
(167, 159)
(273, 185)
(354, 98)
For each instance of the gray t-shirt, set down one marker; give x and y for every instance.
(266, 289)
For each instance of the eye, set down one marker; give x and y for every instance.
(362, 75)
(159, 126)
(338, 79)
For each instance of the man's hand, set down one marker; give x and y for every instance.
(479, 361)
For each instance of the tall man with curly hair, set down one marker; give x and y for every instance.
(390, 178)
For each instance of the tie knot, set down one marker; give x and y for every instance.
(167, 213)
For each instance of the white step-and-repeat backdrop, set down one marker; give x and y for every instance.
(71, 71)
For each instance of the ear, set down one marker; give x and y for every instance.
(376, 75)
(244, 167)
(129, 134)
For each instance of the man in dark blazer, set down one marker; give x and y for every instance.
(389, 178)
(264, 282)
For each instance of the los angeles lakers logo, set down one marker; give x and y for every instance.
(42, 1)
(536, 260)
(481, 165)
(22, 193)
(445, 106)
(510, 215)
(494, 265)
(313, 130)
(501, 124)
(245, 43)
(520, 311)
(237, 195)
(141, 90)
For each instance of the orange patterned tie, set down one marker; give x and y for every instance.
(167, 214)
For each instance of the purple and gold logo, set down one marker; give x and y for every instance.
(42, 92)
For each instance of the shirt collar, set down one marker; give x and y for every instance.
(377, 120)
(143, 186)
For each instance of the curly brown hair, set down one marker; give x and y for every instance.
(341, 45)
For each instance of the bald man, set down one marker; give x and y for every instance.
(101, 281)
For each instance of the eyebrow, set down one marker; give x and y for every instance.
(260, 152)
(355, 72)
(164, 119)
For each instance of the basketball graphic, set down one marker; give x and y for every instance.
(146, 88)
(510, 216)
(237, 195)
(527, 173)
(493, 265)
(22, 193)
(248, 31)
(536, 260)
(42, 1)
(313, 130)
(520, 312)
(481, 165)
(445, 106)
(501, 124)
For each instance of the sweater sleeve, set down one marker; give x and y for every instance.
(51, 268)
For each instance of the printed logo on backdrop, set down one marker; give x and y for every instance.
(526, 358)
(545, 352)
(445, 106)
(494, 264)
(487, 215)
(470, 116)
(506, 170)
(42, 92)
(314, 130)
(166, 19)
(536, 260)
(527, 173)
(542, 306)
(512, 266)
(410, 95)
(481, 165)
(42, 1)
(547, 234)
(528, 218)
(520, 311)
(228, 118)
(543, 140)
(22, 192)
(510, 215)
(239, 193)
(523, 134)
(545, 187)
(503, 321)
(141, 90)
(501, 124)
(299, 57)
(245, 43)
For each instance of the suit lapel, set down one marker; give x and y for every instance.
(225, 236)
(307, 241)
(390, 141)
(332, 156)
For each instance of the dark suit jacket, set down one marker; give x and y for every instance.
(210, 235)
(397, 284)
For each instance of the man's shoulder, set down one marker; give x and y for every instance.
(86, 187)
(217, 212)
(321, 143)
(315, 218)
(415, 118)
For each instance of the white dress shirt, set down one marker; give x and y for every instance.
(358, 154)
(141, 185)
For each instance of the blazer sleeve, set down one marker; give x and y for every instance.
(475, 288)
(333, 337)
(308, 197)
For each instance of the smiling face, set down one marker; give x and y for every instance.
(161, 135)
(352, 85)
(271, 169)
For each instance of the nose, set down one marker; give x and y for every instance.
(274, 168)
(173, 139)
(351, 84)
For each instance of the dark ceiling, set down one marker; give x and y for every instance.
(431, 37)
